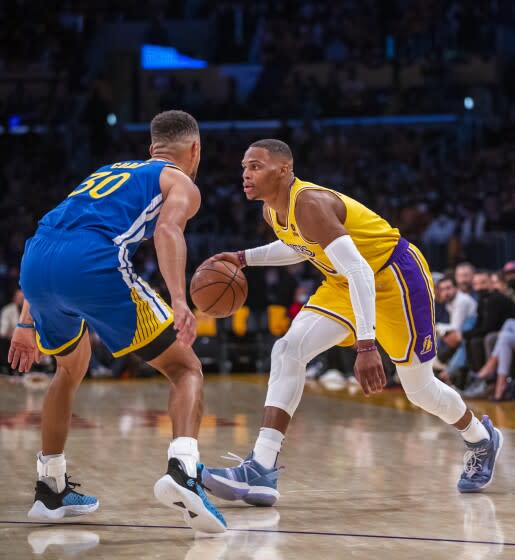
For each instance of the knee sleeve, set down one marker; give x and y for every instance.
(287, 376)
(309, 335)
(423, 389)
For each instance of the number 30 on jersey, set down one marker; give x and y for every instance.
(101, 184)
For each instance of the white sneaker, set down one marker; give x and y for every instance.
(177, 490)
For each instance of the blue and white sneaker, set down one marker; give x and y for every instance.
(176, 489)
(480, 460)
(249, 481)
(68, 503)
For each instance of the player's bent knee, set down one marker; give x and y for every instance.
(278, 349)
(289, 348)
(423, 389)
(191, 370)
(287, 376)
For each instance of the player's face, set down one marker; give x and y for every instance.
(261, 174)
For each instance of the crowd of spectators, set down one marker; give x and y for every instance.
(274, 34)
(381, 167)
(374, 31)
(42, 62)
(370, 31)
(448, 189)
(476, 337)
(454, 205)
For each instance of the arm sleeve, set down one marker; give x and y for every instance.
(273, 254)
(347, 260)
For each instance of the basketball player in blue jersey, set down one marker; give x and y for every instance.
(377, 286)
(76, 272)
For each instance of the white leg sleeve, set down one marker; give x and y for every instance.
(309, 335)
(423, 389)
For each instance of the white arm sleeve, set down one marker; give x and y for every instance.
(273, 254)
(347, 260)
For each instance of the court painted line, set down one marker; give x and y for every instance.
(271, 531)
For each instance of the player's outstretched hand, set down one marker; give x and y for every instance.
(369, 372)
(23, 351)
(230, 257)
(184, 323)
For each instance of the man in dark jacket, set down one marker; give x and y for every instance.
(493, 308)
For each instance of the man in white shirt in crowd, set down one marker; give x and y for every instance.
(462, 310)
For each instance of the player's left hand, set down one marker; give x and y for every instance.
(369, 372)
(184, 323)
(23, 351)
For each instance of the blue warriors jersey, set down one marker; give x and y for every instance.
(121, 201)
(77, 269)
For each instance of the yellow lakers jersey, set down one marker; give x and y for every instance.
(373, 236)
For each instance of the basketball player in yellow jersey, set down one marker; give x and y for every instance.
(376, 286)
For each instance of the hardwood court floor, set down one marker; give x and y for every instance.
(363, 480)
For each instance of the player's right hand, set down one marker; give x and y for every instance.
(23, 351)
(369, 371)
(184, 323)
(230, 257)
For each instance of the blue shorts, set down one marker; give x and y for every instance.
(77, 278)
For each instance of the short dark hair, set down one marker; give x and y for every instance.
(447, 278)
(173, 126)
(274, 146)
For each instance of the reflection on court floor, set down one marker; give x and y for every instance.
(364, 478)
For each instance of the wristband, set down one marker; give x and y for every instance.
(366, 349)
(241, 256)
(25, 325)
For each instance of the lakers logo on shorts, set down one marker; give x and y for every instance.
(427, 346)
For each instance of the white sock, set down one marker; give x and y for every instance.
(51, 471)
(268, 446)
(475, 431)
(186, 450)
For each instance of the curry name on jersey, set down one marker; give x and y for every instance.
(121, 201)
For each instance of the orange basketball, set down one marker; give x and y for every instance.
(218, 288)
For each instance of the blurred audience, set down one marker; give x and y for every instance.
(493, 310)
(450, 189)
(499, 364)
(463, 276)
(462, 309)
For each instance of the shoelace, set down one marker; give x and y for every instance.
(72, 485)
(473, 461)
(233, 457)
(244, 462)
